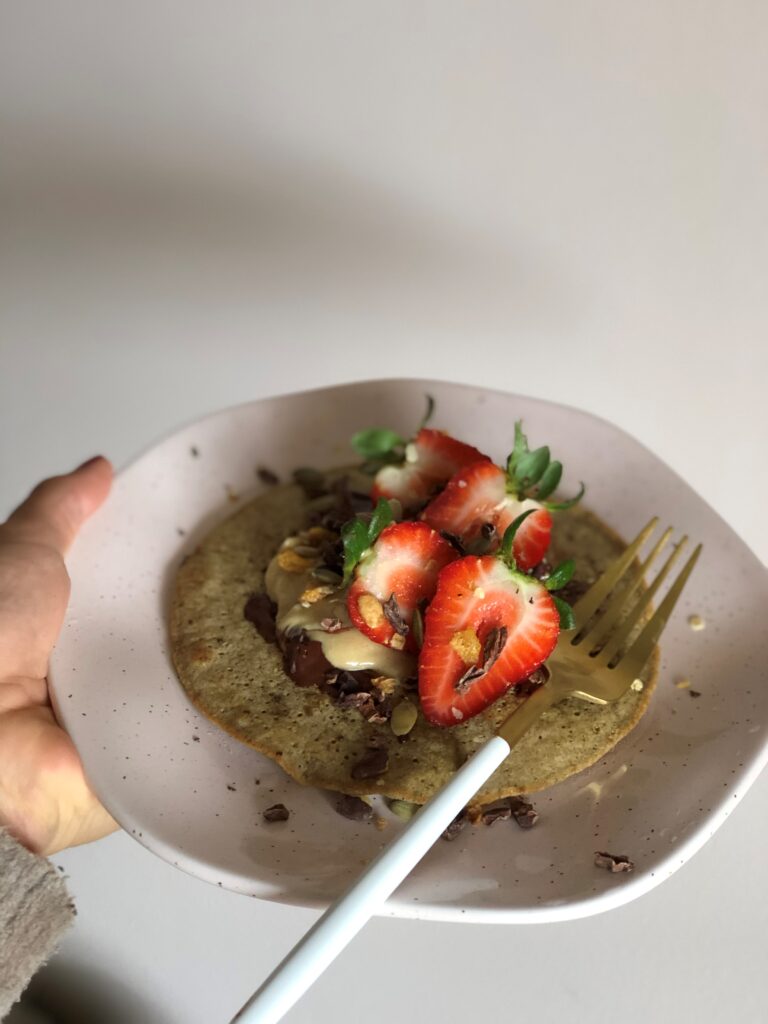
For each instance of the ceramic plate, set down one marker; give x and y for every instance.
(195, 796)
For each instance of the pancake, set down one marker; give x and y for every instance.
(236, 678)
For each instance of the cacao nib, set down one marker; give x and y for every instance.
(458, 825)
(493, 646)
(354, 682)
(500, 810)
(523, 812)
(526, 687)
(613, 862)
(278, 812)
(394, 616)
(354, 808)
(464, 682)
(358, 691)
(261, 610)
(362, 702)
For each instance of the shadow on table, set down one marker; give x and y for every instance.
(72, 993)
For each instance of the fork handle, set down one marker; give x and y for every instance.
(520, 721)
(344, 919)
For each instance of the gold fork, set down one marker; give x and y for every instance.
(598, 660)
(595, 660)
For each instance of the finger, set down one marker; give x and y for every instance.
(46, 801)
(58, 507)
(34, 587)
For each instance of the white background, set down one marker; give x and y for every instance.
(205, 203)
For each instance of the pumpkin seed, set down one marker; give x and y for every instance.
(404, 717)
(327, 575)
(403, 809)
(290, 561)
(417, 627)
(306, 551)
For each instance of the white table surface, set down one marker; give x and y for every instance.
(205, 203)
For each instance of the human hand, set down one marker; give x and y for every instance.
(45, 799)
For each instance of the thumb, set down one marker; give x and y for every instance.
(56, 509)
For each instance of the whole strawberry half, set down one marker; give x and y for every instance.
(487, 628)
(398, 573)
(476, 505)
(480, 502)
(431, 459)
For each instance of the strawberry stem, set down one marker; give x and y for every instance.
(533, 474)
(555, 506)
(428, 414)
(505, 551)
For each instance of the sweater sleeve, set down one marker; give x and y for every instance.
(35, 912)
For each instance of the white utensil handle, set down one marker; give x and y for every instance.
(344, 919)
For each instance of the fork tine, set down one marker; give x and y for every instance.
(586, 607)
(606, 621)
(616, 640)
(632, 663)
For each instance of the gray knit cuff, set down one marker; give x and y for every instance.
(35, 911)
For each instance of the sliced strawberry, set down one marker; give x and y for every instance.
(487, 628)
(476, 503)
(398, 573)
(532, 538)
(430, 460)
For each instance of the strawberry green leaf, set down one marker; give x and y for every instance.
(550, 478)
(521, 441)
(555, 506)
(505, 551)
(428, 414)
(567, 621)
(382, 516)
(561, 575)
(533, 475)
(529, 468)
(381, 446)
(354, 537)
(358, 535)
(376, 443)
(518, 452)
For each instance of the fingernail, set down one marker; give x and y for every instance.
(88, 462)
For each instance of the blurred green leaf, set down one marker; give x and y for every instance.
(376, 442)
(561, 575)
(567, 620)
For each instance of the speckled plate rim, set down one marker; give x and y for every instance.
(618, 890)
